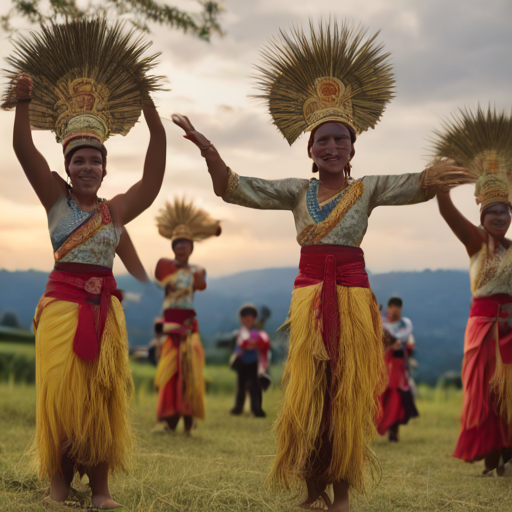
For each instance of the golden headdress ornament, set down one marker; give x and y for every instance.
(183, 220)
(482, 143)
(89, 80)
(334, 74)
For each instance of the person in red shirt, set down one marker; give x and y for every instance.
(250, 361)
(397, 401)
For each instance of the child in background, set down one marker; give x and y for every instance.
(250, 361)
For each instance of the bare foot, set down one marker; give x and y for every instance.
(322, 503)
(104, 502)
(59, 488)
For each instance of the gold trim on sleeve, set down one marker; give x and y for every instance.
(233, 181)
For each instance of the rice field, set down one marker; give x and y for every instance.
(223, 466)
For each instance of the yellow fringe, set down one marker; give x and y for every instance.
(82, 406)
(192, 365)
(360, 377)
(167, 364)
(501, 383)
(195, 381)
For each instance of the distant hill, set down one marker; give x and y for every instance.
(436, 301)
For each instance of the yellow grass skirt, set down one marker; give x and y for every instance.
(180, 378)
(359, 379)
(82, 406)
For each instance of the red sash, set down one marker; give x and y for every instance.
(179, 321)
(333, 265)
(497, 308)
(89, 286)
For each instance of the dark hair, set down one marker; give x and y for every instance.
(69, 156)
(248, 310)
(174, 242)
(395, 301)
(312, 140)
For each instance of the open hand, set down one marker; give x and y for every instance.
(445, 175)
(23, 88)
(191, 133)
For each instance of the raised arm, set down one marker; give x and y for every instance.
(33, 163)
(465, 231)
(140, 196)
(216, 167)
(126, 251)
(241, 190)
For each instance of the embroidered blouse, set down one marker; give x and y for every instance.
(301, 197)
(65, 218)
(178, 283)
(490, 270)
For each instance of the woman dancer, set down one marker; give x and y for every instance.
(87, 83)
(179, 376)
(334, 85)
(483, 143)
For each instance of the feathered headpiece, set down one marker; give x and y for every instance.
(482, 143)
(183, 220)
(89, 80)
(335, 74)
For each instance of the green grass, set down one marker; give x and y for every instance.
(224, 465)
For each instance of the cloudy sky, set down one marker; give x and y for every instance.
(446, 54)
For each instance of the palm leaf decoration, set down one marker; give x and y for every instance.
(190, 219)
(87, 66)
(470, 138)
(334, 73)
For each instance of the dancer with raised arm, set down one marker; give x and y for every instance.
(179, 376)
(482, 142)
(88, 82)
(334, 83)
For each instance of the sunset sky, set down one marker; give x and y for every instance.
(446, 55)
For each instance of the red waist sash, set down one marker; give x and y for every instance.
(497, 308)
(180, 321)
(89, 286)
(333, 265)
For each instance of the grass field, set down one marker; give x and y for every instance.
(224, 465)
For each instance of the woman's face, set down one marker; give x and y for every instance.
(86, 171)
(182, 250)
(332, 148)
(497, 219)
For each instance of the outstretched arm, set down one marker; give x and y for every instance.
(241, 190)
(33, 163)
(140, 196)
(465, 231)
(216, 166)
(126, 251)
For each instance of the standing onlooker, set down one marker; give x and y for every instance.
(397, 401)
(250, 361)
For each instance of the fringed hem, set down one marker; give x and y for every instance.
(82, 406)
(501, 383)
(359, 378)
(180, 379)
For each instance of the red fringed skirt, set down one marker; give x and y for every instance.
(483, 430)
